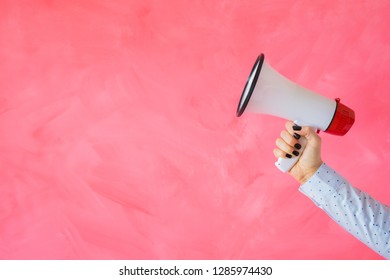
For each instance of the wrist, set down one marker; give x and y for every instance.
(308, 173)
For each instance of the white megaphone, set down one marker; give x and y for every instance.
(268, 92)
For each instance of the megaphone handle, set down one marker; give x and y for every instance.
(285, 164)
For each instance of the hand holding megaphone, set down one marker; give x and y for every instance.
(289, 160)
(268, 92)
(309, 159)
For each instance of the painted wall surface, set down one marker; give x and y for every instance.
(118, 134)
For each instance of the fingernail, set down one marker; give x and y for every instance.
(297, 127)
(295, 153)
(297, 136)
(297, 146)
(288, 155)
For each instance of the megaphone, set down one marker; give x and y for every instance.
(268, 92)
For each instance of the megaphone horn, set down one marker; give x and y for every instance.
(268, 92)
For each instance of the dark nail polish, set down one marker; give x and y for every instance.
(297, 127)
(297, 136)
(288, 155)
(295, 153)
(297, 146)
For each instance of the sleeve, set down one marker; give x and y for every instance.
(354, 210)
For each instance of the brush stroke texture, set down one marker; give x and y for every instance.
(118, 135)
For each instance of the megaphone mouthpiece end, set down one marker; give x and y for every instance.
(343, 119)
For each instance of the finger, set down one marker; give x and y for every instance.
(289, 127)
(290, 140)
(297, 131)
(281, 154)
(286, 148)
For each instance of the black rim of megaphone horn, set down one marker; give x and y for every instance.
(255, 73)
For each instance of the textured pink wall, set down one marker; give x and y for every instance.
(118, 135)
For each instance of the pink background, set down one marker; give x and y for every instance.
(118, 134)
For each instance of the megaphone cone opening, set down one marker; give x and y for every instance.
(250, 85)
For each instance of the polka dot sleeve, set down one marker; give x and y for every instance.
(357, 212)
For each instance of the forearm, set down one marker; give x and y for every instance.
(357, 212)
